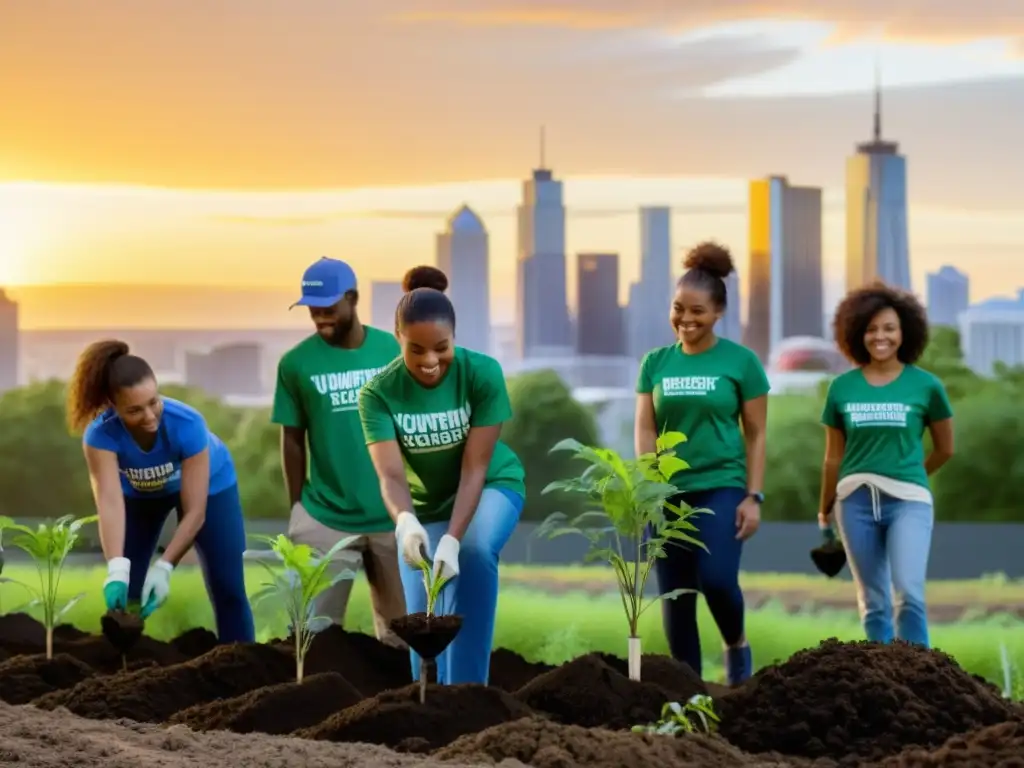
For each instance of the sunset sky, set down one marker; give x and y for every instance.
(231, 143)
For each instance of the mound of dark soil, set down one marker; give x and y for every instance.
(365, 662)
(276, 709)
(153, 695)
(858, 702)
(589, 692)
(24, 678)
(20, 633)
(676, 677)
(393, 717)
(998, 746)
(510, 671)
(544, 744)
(195, 642)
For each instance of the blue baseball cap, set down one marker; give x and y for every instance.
(325, 283)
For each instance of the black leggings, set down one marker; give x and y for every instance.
(714, 573)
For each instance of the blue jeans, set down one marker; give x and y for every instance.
(219, 544)
(887, 543)
(473, 593)
(715, 573)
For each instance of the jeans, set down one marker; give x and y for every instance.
(473, 593)
(219, 544)
(715, 573)
(887, 542)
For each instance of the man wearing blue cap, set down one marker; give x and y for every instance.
(317, 398)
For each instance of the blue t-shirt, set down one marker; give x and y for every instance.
(157, 472)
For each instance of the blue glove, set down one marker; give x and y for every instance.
(115, 588)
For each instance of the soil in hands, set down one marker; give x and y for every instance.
(277, 709)
(590, 692)
(858, 702)
(998, 746)
(153, 695)
(24, 678)
(394, 717)
(122, 629)
(545, 744)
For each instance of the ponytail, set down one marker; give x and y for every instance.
(103, 368)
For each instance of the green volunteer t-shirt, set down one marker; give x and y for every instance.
(702, 396)
(884, 426)
(431, 425)
(318, 390)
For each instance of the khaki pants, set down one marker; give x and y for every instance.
(376, 552)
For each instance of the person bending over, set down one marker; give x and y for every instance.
(148, 454)
(875, 473)
(432, 419)
(716, 393)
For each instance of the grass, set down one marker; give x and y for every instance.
(552, 628)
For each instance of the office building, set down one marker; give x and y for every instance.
(731, 326)
(384, 298)
(650, 297)
(542, 311)
(877, 244)
(463, 255)
(599, 326)
(948, 294)
(993, 332)
(9, 343)
(785, 288)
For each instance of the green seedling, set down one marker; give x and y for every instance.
(696, 715)
(48, 546)
(432, 585)
(304, 577)
(630, 497)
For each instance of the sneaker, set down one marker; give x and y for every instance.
(739, 665)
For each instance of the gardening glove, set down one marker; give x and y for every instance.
(115, 588)
(446, 558)
(157, 587)
(412, 538)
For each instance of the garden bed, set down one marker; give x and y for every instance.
(841, 704)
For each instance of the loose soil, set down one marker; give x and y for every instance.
(122, 629)
(425, 634)
(837, 705)
(858, 702)
(276, 709)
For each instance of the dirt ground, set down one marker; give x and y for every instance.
(32, 739)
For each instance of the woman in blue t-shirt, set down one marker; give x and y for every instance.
(147, 455)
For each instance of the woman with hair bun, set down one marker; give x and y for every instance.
(716, 393)
(432, 421)
(148, 454)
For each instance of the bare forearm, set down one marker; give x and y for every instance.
(829, 479)
(645, 440)
(395, 492)
(467, 498)
(192, 519)
(935, 460)
(755, 463)
(293, 460)
(111, 526)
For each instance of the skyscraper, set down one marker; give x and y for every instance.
(731, 326)
(877, 244)
(647, 323)
(948, 295)
(599, 324)
(785, 281)
(542, 311)
(9, 348)
(384, 298)
(463, 255)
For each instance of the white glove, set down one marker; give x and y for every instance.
(119, 569)
(446, 558)
(156, 587)
(412, 538)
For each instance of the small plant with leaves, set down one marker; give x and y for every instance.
(432, 585)
(48, 545)
(306, 574)
(628, 527)
(695, 716)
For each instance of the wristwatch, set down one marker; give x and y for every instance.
(756, 496)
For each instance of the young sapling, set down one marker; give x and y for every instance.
(48, 546)
(628, 528)
(679, 718)
(306, 574)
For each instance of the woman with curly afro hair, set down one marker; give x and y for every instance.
(715, 392)
(875, 473)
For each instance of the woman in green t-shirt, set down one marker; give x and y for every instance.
(714, 391)
(875, 473)
(432, 419)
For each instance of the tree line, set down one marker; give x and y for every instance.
(43, 474)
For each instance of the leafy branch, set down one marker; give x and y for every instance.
(679, 718)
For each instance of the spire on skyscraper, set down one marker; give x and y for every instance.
(878, 101)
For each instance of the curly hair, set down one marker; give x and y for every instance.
(424, 299)
(856, 310)
(707, 265)
(102, 369)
